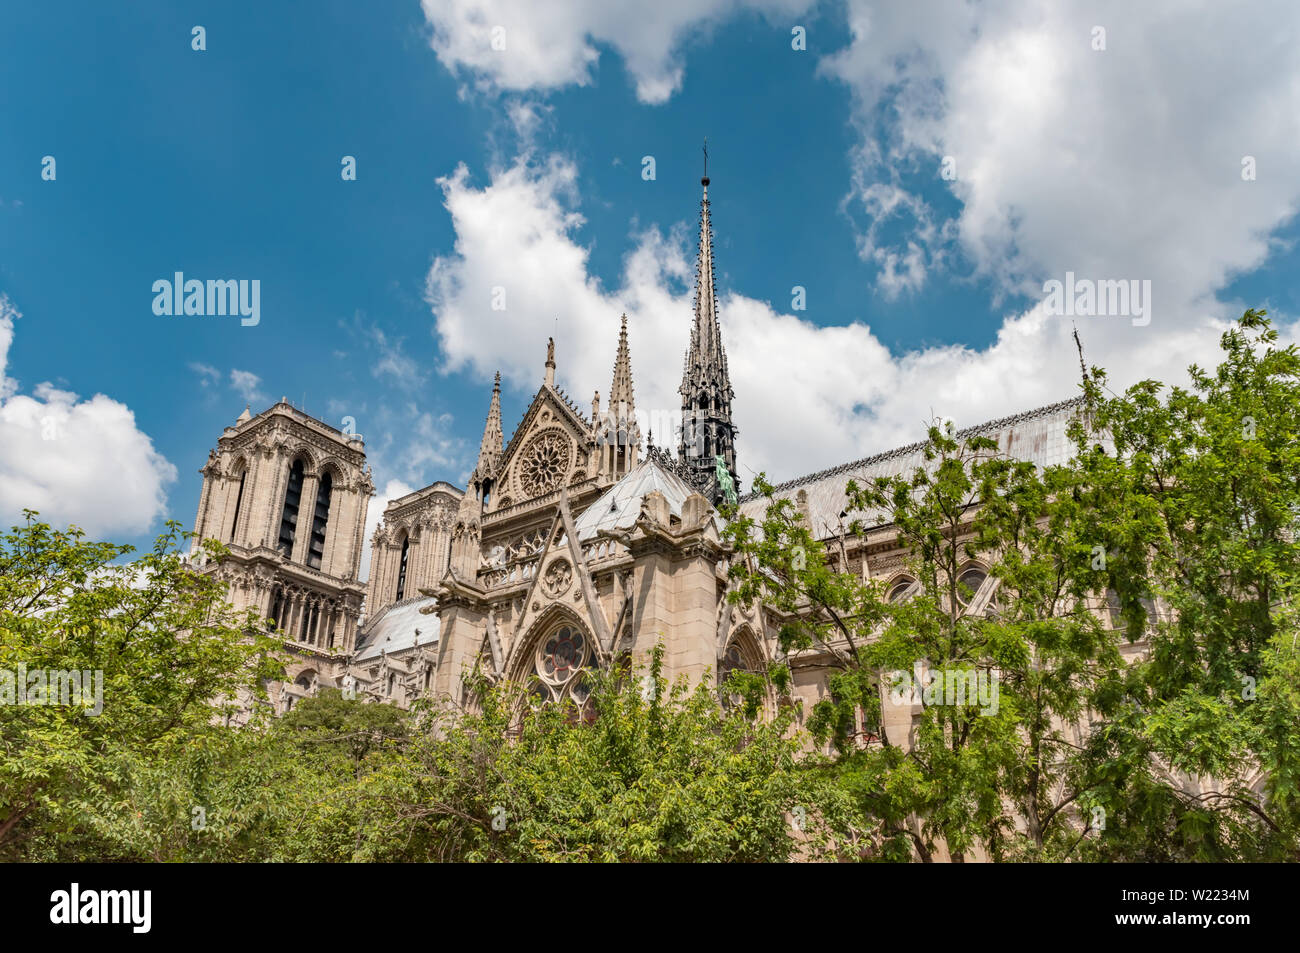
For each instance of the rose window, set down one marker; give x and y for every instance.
(545, 462)
(562, 668)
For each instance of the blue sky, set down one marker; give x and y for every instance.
(522, 167)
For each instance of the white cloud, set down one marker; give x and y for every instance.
(1120, 163)
(206, 375)
(393, 362)
(1116, 164)
(544, 46)
(806, 396)
(73, 460)
(248, 386)
(415, 446)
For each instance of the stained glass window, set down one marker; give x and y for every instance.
(562, 665)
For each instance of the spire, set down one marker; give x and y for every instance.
(489, 454)
(617, 434)
(707, 430)
(620, 392)
(706, 355)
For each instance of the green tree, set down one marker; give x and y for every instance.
(1210, 476)
(160, 639)
(652, 772)
(971, 769)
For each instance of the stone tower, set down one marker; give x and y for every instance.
(287, 494)
(708, 435)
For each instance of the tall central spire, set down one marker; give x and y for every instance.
(707, 430)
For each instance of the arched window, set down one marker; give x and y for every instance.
(968, 583)
(401, 569)
(277, 607)
(733, 660)
(1114, 611)
(560, 668)
(289, 515)
(320, 518)
(898, 590)
(239, 502)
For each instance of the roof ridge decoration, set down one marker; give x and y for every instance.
(1022, 416)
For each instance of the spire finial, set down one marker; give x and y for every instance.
(489, 453)
(705, 180)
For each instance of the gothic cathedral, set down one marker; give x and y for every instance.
(569, 548)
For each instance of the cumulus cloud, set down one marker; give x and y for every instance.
(248, 385)
(73, 460)
(806, 396)
(1117, 163)
(524, 45)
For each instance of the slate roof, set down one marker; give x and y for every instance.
(394, 630)
(1035, 435)
(618, 507)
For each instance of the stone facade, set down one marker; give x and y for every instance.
(570, 547)
(287, 494)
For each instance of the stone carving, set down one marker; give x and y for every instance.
(558, 577)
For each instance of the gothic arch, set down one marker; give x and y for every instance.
(519, 660)
(311, 457)
(898, 587)
(335, 470)
(238, 464)
(237, 480)
(971, 578)
(552, 661)
(402, 542)
(743, 652)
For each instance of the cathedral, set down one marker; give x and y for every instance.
(572, 546)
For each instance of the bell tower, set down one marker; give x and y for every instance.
(287, 495)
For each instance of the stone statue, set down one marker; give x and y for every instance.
(724, 479)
